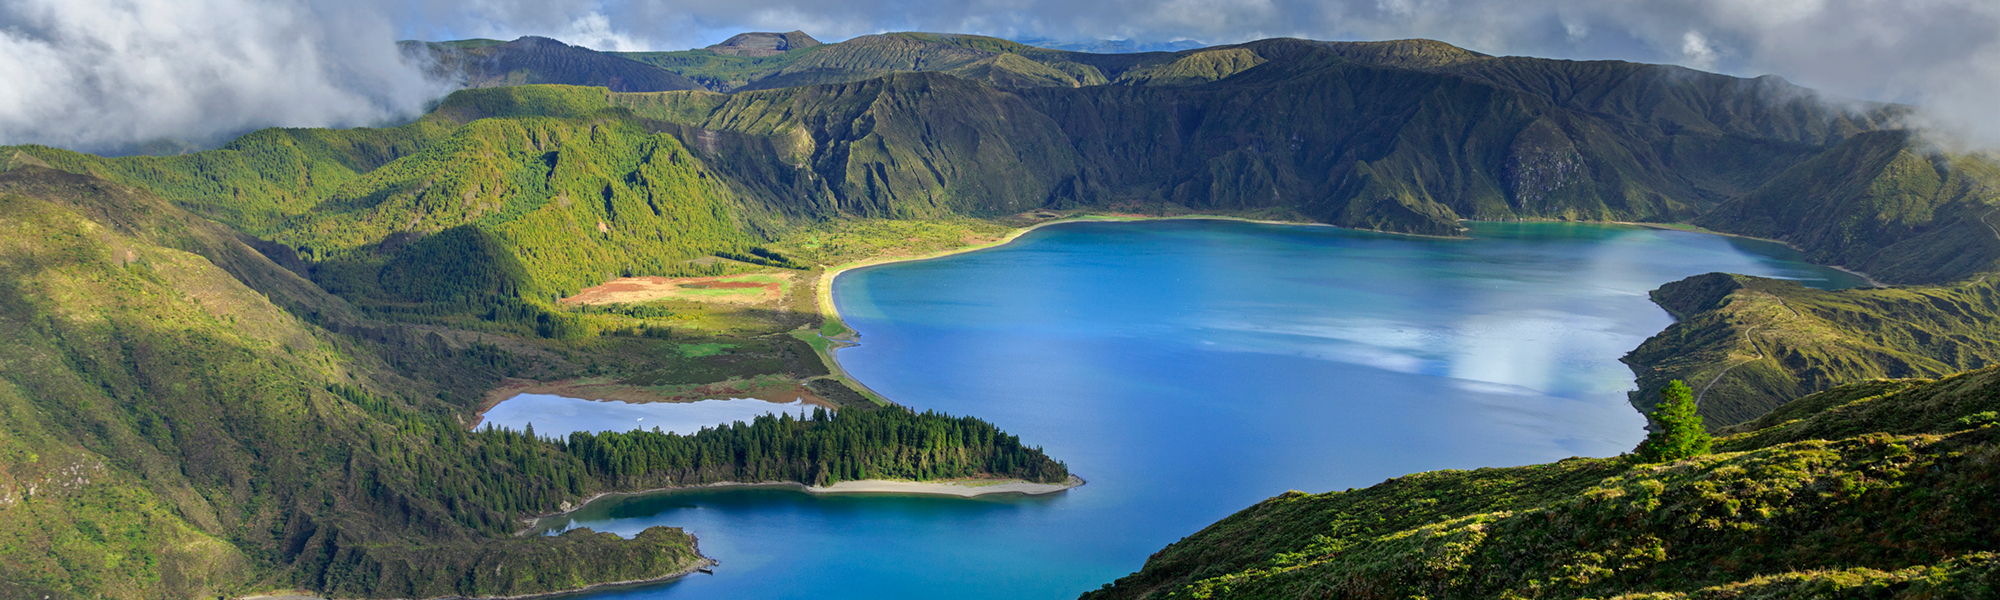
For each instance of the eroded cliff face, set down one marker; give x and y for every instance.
(1362, 135)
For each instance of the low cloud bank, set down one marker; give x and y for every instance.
(118, 76)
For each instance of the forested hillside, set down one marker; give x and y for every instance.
(186, 418)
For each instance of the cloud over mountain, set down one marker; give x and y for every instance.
(107, 75)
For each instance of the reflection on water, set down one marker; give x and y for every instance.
(557, 416)
(1190, 369)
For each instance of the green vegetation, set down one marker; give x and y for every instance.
(826, 448)
(1747, 345)
(853, 240)
(1678, 433)
(1871, 490)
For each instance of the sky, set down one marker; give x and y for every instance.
(105, 75)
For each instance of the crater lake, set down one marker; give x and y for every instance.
(1190, 368)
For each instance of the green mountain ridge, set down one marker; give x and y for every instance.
(1405, 136)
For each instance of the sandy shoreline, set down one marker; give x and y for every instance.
(959, 488)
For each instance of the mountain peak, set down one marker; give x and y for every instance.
(536, 41)
(764, 43)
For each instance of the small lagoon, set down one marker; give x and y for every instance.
(557, 416)
(1189, 369)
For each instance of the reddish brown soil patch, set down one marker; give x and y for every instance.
(728, 285)
(643, 289)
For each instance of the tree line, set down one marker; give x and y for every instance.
(821, 449)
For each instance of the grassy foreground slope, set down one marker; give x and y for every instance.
(1878, 489)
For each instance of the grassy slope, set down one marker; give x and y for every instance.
(1872, 490)
(1750, 344)
(574, 197)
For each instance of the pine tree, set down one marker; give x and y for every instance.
(1679, 433)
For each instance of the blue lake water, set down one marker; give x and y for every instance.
(1189, 369)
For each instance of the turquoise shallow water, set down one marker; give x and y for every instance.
(1189, 369)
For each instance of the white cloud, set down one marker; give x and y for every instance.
(1695, 51)
(107, 74)
(594, 31)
